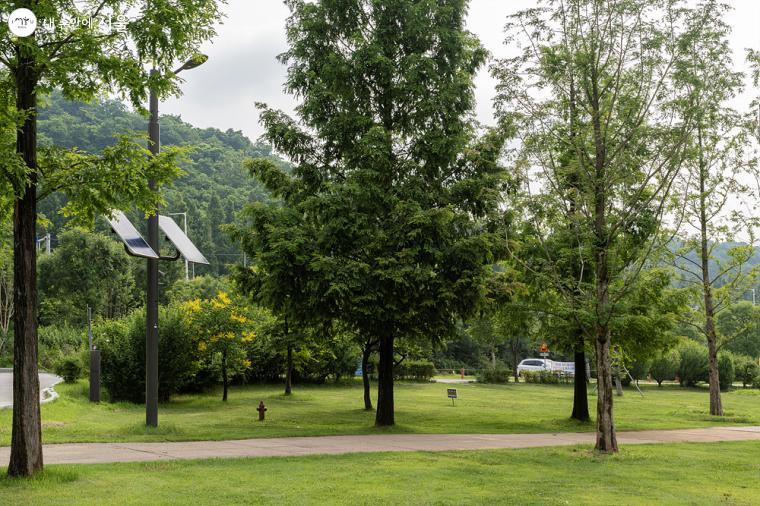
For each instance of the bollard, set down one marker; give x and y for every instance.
(94, 374)
(261, 409)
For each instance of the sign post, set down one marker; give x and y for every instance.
(452, 394)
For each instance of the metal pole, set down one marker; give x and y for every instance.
(151, 341)
(89, 325)
(187, 266)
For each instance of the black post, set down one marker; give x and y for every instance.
(94, 375)
(151, 341)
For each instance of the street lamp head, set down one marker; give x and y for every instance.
(196, 61)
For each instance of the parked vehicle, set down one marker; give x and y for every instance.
(534, 364)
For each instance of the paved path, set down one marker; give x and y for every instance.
(47, 381)
(92, 453)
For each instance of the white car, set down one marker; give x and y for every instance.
(534, 364)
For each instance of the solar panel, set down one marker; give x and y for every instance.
(133, 241)
(180, 241)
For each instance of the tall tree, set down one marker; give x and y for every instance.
(714, 178)
(387, 211)
(82, 61)
(591, 95)
(85, 269)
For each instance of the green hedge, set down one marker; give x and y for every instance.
(496, 374)
(70, 369)
(546, 377)
(416, 370)
(122, 344)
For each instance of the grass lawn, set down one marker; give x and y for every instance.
(706, 473)
(337, 409)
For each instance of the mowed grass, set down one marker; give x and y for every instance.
(705, 473)
(338, 409)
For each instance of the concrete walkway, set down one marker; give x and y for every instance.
(93, 453)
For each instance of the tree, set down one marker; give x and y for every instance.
(591, 95)
(387, 217)
(712, 179)
(741, 323)
(664, 367)
(82, 62)
(747, 369)
(221, 328)
(86, 269)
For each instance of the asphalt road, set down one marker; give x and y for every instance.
(47, 381)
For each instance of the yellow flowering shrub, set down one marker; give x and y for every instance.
(221, 330)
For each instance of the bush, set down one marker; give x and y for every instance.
(746, 369)
(726, 370)
(756, 381)
(122, 344)
(498, 374)
(417, 370)
(664, 367)
(57, 342)
(546, 377)
(692, 367)
(334, 358)
(638, 370)
(70, 369)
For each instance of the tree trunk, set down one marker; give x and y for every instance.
(365, 376)
(580, 392)
(515, 359)
(26, 438)
(289, 371)
(618, 385)
(385, 416)
(606, 440)
(224, 375)
(716, 406)
(493, 358)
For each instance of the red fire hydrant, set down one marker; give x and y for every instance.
(261, 409)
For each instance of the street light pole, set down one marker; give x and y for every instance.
(151, 310)
(151, 341)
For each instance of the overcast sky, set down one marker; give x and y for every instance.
(242, 67)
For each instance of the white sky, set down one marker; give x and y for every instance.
(242, 67)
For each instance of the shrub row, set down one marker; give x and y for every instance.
(689, 363)
(416, 370)
(498, 374)
(546, 377)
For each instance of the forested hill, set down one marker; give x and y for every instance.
(214, 187)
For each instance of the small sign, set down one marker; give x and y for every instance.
(452, 393)
(543, 349)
